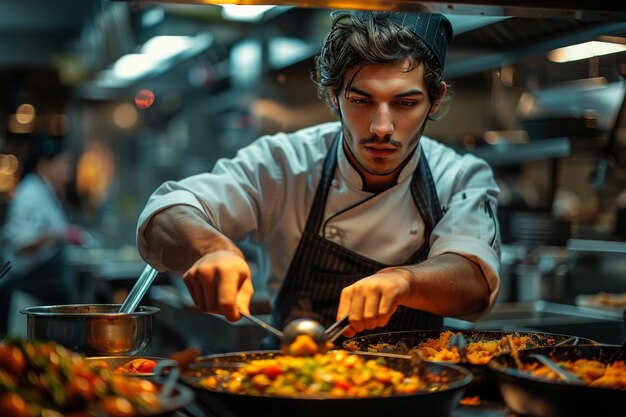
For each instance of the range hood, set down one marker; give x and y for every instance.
(488, 34)
(588, 10)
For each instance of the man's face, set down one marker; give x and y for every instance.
(383, 113)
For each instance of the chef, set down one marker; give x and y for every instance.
(363, 217)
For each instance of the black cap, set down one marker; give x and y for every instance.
(434, 29)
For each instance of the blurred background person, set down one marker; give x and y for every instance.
(37, 230)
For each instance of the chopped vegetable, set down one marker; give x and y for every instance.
(333, 374)
(35, 377)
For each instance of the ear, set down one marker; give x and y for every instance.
(442, 93)
(333, 97)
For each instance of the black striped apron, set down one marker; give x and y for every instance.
(320, 269)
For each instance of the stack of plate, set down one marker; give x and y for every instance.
(538, 228)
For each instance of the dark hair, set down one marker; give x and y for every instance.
(355, 43)
(42, 147)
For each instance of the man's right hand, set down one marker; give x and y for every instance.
(220, 282)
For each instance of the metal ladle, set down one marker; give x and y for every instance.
(293, 330)
(314, 329)
(139, 290)
(563, 374)
(298, 327)
(458, 340)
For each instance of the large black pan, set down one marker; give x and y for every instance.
(437, 403)
(483, 383)
(526, 395)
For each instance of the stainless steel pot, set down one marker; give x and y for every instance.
(93, 329)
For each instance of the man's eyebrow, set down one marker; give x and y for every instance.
(414, 92)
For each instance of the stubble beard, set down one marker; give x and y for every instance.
(373, 170)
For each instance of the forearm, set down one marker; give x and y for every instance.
(446, 285)
(180, 235)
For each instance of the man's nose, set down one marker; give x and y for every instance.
(382, 121)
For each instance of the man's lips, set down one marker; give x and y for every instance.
(379, 152)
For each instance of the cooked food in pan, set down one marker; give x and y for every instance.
(613, 300)
(47, 376)
(592, 372)
(139, 366)
(602, 300)
(335, 374)
(528, 389)
(438, 349)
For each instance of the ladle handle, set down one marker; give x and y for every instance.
(263, 324)
(139, 289)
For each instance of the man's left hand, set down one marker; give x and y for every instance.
(371, 301)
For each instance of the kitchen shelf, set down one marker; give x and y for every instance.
(602, 326)
(512, 154)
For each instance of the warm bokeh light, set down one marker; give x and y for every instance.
(9, 164)
(125, 115)
(25, 113)
(9, 173)
(14, 126)
(94, 172)
(144, 98)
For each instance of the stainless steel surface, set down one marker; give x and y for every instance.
(139, 290)
(94, 329)
(587, 245)
(561, 372)
(304, 327)
(598, 325)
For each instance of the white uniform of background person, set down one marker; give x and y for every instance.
(34, 211)
(265, 192)
(36, 230)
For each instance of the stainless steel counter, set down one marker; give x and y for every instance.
(600, 325)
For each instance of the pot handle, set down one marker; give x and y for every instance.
(166, 373)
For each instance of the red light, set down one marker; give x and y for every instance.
(144, 98)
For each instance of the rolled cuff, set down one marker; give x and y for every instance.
(154, 206)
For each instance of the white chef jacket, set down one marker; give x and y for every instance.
(265, 192)
(34, 211)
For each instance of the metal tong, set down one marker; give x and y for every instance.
(337, 328)
(6, 267)
(562, 373)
